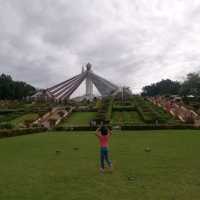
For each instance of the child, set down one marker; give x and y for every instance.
(103, 133)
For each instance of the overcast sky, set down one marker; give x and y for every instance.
(129, 42)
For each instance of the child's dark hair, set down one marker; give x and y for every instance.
(104, 130)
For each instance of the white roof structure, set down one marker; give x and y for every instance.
(65, 89)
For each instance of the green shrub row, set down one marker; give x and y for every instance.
(17, 132)
(6, 125)
(157, 127)
(124, 108)
(75, 128)
(8, 117)
(7, 111)
(85, 110)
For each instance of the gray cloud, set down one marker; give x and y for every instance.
(131, 42)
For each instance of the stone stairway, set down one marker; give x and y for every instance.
(53, 118)
(176, 109)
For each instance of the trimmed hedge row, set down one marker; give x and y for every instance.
(8, 117)
(18, 132)
(85, 110)
(124, 108)
(75, 128)
(158, 127)
(6, 125)
(129, 127)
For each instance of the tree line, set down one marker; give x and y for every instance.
(190, 86)
(10, 89)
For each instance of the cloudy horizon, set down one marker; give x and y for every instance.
(132, 42)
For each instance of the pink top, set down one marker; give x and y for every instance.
(103, 139)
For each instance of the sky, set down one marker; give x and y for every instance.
(131, 42)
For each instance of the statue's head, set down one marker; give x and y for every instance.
(88, 67)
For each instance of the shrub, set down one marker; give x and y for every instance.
(124, 108)
(157, 127)
(18, 132)
(6, 126)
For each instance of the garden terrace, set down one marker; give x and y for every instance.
(124, 117)
(78, 119)
(151, 113)
(21, 114)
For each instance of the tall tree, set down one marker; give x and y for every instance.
(191, 86)
(164, 87)
(10, 89)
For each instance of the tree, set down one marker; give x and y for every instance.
(191, 86)
(10, 89)
(164, 87)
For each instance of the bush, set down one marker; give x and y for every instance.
(34, 125)
(124, 108)
(75, 128)
(18, 132)
(6, 126)
(157, 127)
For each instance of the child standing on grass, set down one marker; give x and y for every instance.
(103, 133)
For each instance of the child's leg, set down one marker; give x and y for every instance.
(107, 159)
(102, 159)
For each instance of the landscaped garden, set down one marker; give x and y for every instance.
(152, 164)
(79, 118)
(133, 113)
(124, 117)
(15, 114)
(151, 113)
(149, 165)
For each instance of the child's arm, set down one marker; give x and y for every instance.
(97, 132)
(109, 132)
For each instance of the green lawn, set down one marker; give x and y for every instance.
(79, 118)
(31, 169)
(126, 117)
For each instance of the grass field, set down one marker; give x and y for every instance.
(126, 117)
(79, 118)
(31, 169)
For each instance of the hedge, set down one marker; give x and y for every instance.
(17, 132)
(85, 110)
(76, 128)
(6, 125)
(124, 108)
(158, 127)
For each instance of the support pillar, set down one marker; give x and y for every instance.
(89, 84)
